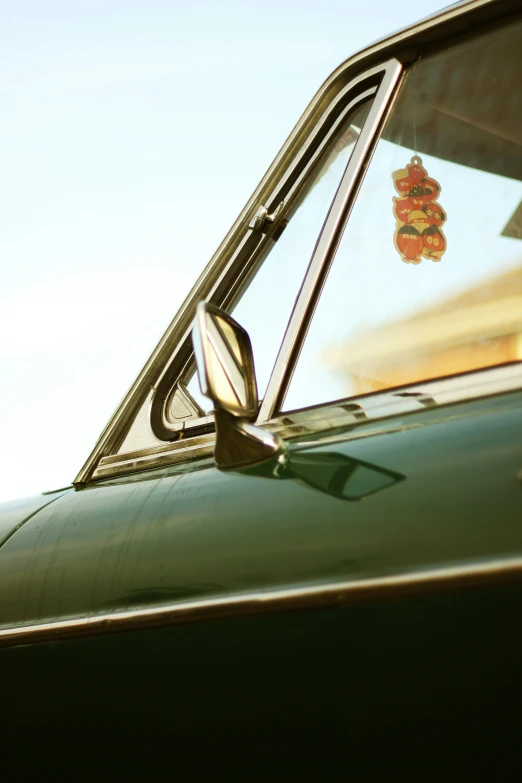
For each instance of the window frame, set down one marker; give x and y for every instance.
(170, 359)
(328, 241)
(256, 243)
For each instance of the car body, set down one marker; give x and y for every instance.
(343, 599)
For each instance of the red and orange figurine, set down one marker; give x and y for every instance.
(418, 216)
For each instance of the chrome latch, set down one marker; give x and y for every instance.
(262, 220)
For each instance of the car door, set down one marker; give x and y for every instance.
(355, 615)
(271, 624)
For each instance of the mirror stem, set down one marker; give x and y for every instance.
(240, 443)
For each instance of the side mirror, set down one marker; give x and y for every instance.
(226, 375)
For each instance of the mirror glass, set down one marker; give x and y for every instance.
(224, 360)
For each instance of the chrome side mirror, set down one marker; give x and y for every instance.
(226, 375)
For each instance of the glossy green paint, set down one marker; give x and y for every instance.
(14, 513)
(420, 688)
(445, 492)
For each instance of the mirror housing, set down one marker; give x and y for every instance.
(226, 374)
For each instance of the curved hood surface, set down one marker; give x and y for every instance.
(13, 513)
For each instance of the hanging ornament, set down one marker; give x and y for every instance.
(418, 215)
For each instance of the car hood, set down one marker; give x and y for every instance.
(14, 513)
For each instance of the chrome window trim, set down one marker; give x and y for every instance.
(196, 447)
(460, 576)
(378, 410)
(404, 45)
(241, 245)
(327, 243)
(251, 254)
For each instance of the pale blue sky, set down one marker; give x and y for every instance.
(132, 133)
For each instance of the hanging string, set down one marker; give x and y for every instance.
(415, 130)
(416, 97)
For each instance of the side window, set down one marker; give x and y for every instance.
(427, 280)
(265, 305)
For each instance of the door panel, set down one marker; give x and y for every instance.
(193, 531)
(423, 685)
(417, 688)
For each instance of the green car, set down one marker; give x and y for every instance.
(296, 549)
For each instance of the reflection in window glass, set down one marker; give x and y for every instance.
(383, 323)
(266, 305)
